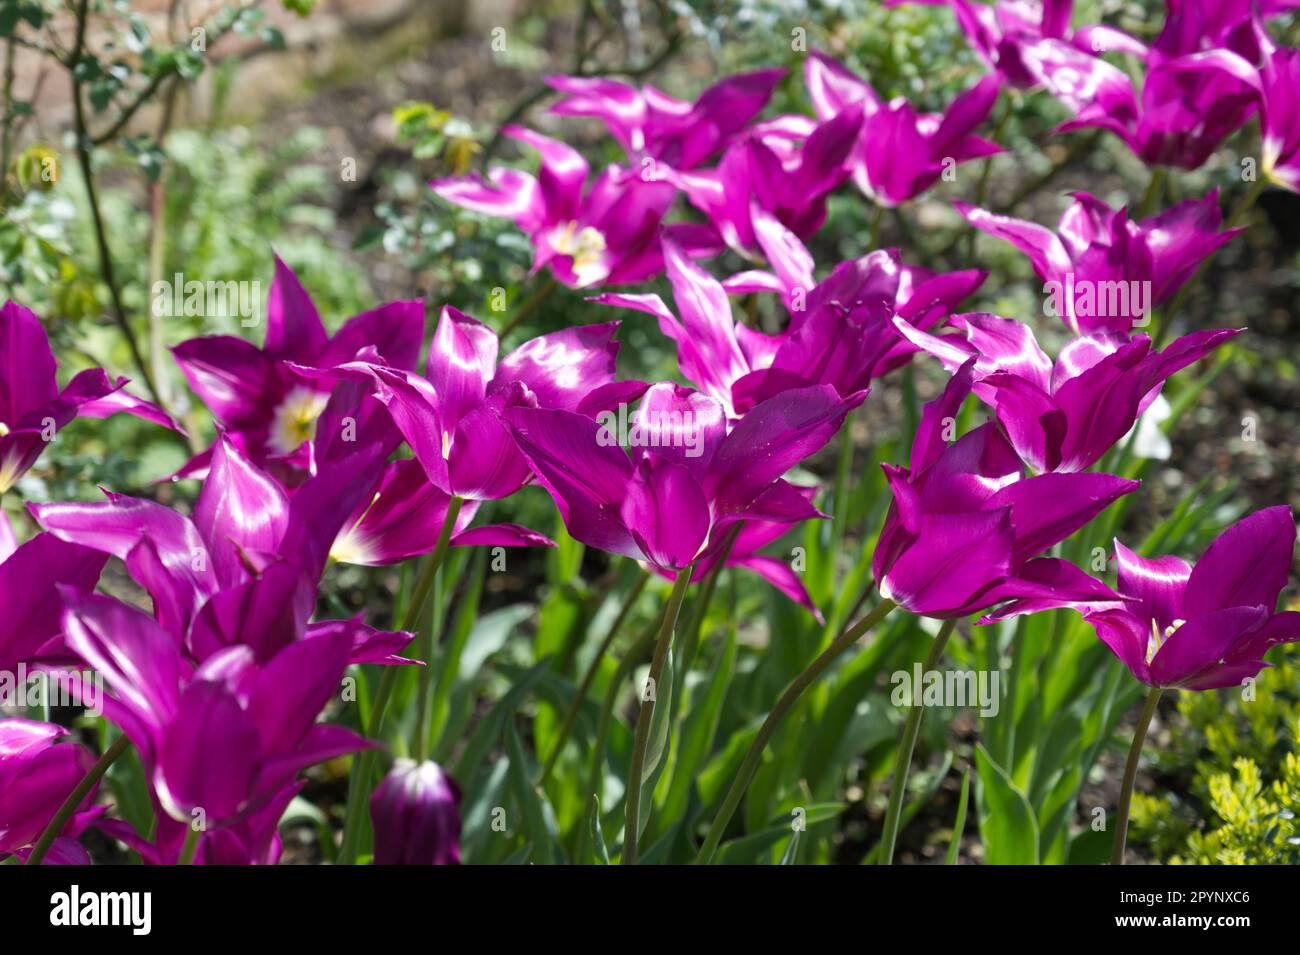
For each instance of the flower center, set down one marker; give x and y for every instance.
(295, 419)
(1157, 639)
(586, 247)
(4, 429)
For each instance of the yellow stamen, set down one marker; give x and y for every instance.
(295, 419)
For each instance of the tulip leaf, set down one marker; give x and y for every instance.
(791, 849)
(599, 852)
(1007, 823)
(539, 821)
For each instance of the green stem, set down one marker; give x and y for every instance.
(529, 306)
(700, 606)
(580, 696)
(749, 765)
(1151, 198)
(82, 790)
(906, 744)
(875, 227)
(637, 652)
(364, 764)
(192, 837)
(641, 740)
(1130, 775)
(83, 144)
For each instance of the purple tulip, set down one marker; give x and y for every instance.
(840, 332)
(1280, 119)
(650, 124)
(753, 536)
(1190, 104)
(415, 811)
(243, 571)
(37, 773)
(405, 517)
(900, 153)
(1235, 25)
(606, 235)
(224, 739)
(1000, 33)
(251, 839)
(32, 627)
(1062, 417)
(266, 410)
(965, 528)
(450, 416)
(1102, 271)
(1208, 626)
(787, 167)
(674, 502)
(33, 408)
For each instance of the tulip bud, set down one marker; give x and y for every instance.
(416, 816)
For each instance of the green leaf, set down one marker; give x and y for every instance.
(539, 821)
(599, 852)
(1007, 823)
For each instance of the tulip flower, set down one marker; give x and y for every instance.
(999, 34)
(851, 285)
(405, 516)
(688, 481)
(1235, 25)
(965, 528)
(1104, 272)
(415, 811)
(222, 740)
(251, 839)
(650, 124)
(900, 153)
(840, 335)
(37, 773)
(751, 537)
(450, 416)
(1280, 119)
(266, 410)
(32, 406)
(605, 235)
(1206, 626)
(31, 628)
(786, 166)
(1190, 104)
(1062, 417)
(243, 570)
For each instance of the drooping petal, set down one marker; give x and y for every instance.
(232, 376)
(579, 461)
